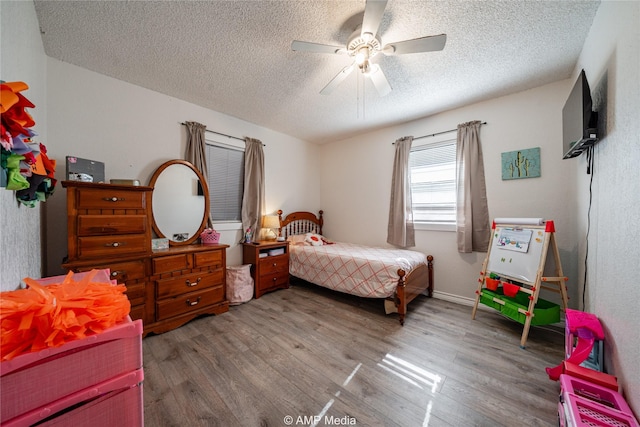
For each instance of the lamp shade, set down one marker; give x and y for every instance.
(270, 221)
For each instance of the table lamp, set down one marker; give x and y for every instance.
(270, 222)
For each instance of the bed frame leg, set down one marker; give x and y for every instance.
(430, 268)
(401, 297)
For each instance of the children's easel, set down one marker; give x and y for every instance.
(518, 252)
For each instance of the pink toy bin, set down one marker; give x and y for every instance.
(117, 401)
(586, 404)
(32, 380)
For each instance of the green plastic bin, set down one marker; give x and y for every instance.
(545, 312)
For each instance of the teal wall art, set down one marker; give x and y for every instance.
(521, 164)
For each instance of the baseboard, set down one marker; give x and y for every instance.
(454, 298)
(457, 299)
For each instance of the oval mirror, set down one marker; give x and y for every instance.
(180, 202)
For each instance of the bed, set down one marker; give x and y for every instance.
(396, 275)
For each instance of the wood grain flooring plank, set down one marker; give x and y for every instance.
(306, 351)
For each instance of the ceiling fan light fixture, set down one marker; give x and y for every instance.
(362, 56)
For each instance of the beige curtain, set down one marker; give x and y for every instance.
(400, 230)
(472, 216)
(195, 153)
(253, 197)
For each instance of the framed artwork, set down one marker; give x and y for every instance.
(521, 164)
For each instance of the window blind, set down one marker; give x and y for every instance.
(226, 182)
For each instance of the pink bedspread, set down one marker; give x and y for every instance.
(354, 269)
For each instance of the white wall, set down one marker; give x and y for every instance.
(23, 59)
(134, 130)
(358, 212)
(611, 60)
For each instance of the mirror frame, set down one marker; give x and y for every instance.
(205, 190)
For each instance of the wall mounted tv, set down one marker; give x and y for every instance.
(579, 122)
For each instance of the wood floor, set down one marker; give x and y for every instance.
(311, 354)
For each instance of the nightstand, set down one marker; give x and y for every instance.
(269, 265)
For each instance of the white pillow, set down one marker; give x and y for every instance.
(313, 239)
(297, 239)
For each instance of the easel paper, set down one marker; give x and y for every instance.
(514, 240)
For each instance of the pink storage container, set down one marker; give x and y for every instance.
(210, 237)
(586, 404)
(36, 379)
(117, 401)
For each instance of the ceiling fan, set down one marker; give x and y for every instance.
(364, 44)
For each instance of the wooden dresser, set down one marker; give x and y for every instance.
(269, 265)
(109, 226)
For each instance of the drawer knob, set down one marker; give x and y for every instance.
(190, 284)
(113, 199)
(114, 244)
(275, 265)
(115, 273)
(192, 303)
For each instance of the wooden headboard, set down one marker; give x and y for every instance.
(300, 223)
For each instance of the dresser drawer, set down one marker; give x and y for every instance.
(128, 270)
(120, 271)
(92, 225)
(192, 301)
(187, 283)
(106, 246)
(274, 264)
(273, 279)
(167, 264)
(110, 199)
(136, 293)
(211, 258)
(137, 312)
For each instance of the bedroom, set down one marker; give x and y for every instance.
(87, 114)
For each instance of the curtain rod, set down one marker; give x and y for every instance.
(218, 133)
(440, 133)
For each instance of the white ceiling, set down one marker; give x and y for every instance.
(235, 57)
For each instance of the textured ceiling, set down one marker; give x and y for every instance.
(235, 57)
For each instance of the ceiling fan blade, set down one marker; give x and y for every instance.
(337, 79)
(423, 44)
(298, 45)
(373, 11)
(379, 80)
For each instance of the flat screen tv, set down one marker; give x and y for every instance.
(579, 121)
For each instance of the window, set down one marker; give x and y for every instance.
(225, 165)
(433, 183)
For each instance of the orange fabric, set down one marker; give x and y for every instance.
(40, 317)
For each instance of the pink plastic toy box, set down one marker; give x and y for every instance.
(32, 380)
(586, 404)
(115, 402)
